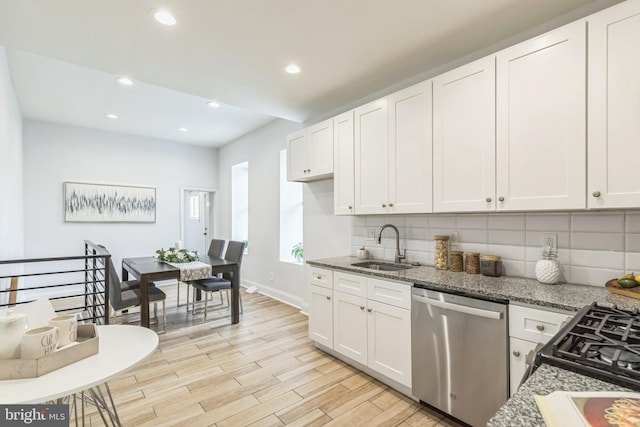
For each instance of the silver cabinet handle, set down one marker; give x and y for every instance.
(596, 194)
(350, 207)
(384, 206)
(328, 298)
(501, 199)
(362, 307)
(369, 310)
(390, 205)
(516, 353)
(488, 200)
(540, 327)
(319, 277)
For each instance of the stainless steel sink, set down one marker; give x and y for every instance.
(382, 266)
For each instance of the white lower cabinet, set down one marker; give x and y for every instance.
(527, 328)
(366, 320)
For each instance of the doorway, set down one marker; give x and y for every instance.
(197, 226)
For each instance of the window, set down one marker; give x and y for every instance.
(291, 249)
(240, 204)
(194, 206)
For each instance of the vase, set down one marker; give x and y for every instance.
(547, 271)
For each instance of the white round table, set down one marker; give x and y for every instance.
(121, 348)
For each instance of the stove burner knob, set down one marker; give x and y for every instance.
(540, 327)
(516, 353)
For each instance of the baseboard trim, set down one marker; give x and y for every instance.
(276, 294)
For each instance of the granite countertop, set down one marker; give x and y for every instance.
(521, 410)
(561, 296)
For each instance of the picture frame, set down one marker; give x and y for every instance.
(95, 202)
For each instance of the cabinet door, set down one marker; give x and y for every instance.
(321, 315)
(372, 158)
(343, 167)
(320, 143)
(389, 341)
(297, 155)
(350, 326)
(517, 361)
(410, 150)
(614, 107)
(541, 121)
(464, 138)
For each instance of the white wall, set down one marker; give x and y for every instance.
(55, 153)
(11, 183)
(261, 266)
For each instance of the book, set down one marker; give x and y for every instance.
(590, 409)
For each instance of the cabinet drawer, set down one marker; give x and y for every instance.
(321, 277)
(350, 283)
(396, 294)
(533, 324)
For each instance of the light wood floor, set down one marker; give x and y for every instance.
(262, 372)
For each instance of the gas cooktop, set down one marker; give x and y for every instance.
(601, 342)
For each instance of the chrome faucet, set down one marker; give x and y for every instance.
(399, 257)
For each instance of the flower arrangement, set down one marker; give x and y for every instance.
(177, 255)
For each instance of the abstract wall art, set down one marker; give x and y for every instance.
(88, 202)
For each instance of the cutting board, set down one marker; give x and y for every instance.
(613, 287)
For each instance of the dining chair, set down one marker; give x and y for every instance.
(215, 250)
(125, 295)
(234, 253)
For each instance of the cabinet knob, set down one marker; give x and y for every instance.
(390, 205)
(488, 200)
(369, 310)
(501, 199)
(596, 194)
(328, 298)
(516, 353)
(540, 327)
(350, 207)
(319, 277)
(309, 170)
(384, 206)
(362, 307)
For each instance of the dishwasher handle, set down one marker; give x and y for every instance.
(489, 314)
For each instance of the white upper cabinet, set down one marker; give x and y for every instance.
(371, 158)
(614, 107)
(410, 150)
(541, 122)
(464, 138)
(393, 153)
(343, 173)
(310, 153)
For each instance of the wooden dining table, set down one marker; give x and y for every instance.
(148, 270)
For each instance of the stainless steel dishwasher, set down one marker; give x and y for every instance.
(459, 353)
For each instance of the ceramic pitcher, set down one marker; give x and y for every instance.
(12, 328)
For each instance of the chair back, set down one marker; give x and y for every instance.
(234, 253)
(216, 247)
(115, 286)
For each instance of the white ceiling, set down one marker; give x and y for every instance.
(65, 54)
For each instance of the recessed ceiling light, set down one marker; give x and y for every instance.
(164, 17)
(213, 104)
(292, 68)
(125, 80)
(111, 115)
(183, 130)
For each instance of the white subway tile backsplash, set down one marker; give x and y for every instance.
(593, 276)
(472, 221)
(443, 221)
(598, 222)
(632, 242)
(513, 253)
(600, 259)
(507, 222)
(598, 241)
(593, 246)
(417, 221)
(507, 237)
(548, 222)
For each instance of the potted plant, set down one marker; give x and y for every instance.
(297, 252)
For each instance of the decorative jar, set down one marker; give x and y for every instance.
(547, 269)
(442, 252)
